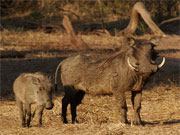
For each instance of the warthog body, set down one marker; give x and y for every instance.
(30, 88)
(126, 70)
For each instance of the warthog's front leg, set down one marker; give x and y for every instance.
(122, 107)
(21, 112)
(28, 111)
(136, 101)
(39, 110)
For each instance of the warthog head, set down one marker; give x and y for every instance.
(43, 91)
(142, 56)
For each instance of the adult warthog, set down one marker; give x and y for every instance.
(126, 70)
(32, 88)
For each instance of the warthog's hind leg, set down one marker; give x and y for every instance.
(136, 101)
(73, 112)
(65, 102)
(74, 103)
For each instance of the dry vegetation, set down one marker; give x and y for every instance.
(97, 115)
(36, 41)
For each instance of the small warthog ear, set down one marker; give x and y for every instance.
(155, 40)
(130, 41)
(50, 78)
(35, 80)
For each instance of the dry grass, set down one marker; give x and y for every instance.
(22, 41)
(31, 40)
(97, 114)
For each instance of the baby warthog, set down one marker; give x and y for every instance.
(30, 88)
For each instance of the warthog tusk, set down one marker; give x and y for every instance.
(162, 63)
(130, 65)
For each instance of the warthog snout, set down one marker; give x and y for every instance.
(49, 105)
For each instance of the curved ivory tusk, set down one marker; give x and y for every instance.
(130, 65)
(162, 63)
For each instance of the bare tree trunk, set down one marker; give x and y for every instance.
(140, 10)
(76, 41)
(101, 12)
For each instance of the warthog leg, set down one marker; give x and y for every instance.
(74, 97)
(73, 112)
(65, 102)
(28, 110)
(74, 103)
(21, 112)
(122, 107)
(136, 101)
(39, 113)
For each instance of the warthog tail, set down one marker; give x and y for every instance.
(55, 87)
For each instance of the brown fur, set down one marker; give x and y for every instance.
(112, 75)
(30, 88)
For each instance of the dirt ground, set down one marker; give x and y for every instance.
(97, 114)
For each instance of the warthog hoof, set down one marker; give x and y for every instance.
(75, 121)
(137, 122)
(124, 121)
(39, 125)
(64, 120)
(28, 126)
(23, 125)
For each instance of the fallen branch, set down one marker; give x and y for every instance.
(169, 20)
(76, 41)
(71, 12)
(140, 10)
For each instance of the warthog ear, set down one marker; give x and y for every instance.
(50, 78)
(130, 41)
(35, 80)
(155, 40)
